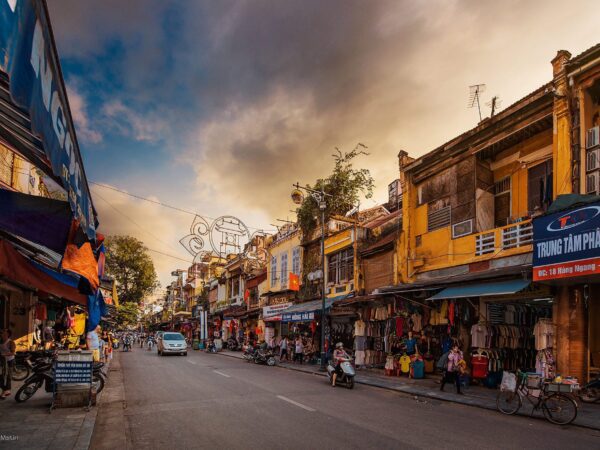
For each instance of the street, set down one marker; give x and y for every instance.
(211, 401)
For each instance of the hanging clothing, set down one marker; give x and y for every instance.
(78, 324)
(479, 336)
(399, 326)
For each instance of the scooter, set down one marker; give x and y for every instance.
(347, 376)
(233, 345)
(211, 347)
(264, 357)
(590, 393)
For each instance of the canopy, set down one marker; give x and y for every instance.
(482, 289)
(306, 311)
(15, 267)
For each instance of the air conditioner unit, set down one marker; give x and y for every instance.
(592, 138)
(591, 161)
(462, 228)
(591, 183)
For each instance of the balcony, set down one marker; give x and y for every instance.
(504, 238)
(437, 249)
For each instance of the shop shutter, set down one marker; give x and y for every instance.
(379, 271)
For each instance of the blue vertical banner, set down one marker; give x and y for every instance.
(28, 55)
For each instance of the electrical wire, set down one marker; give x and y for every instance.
(165, 205)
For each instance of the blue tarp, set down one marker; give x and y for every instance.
(96, 309)
(41, 220)
(482, 289)
(68, 280)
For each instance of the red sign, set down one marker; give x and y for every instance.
(569, 269)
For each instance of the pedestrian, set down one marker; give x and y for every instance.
(283, 352)
(93, 343)
(299, 350)
(7, 361)
(452, 374)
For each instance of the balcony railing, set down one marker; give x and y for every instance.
(511, 236)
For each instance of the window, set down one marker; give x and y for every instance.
(341, 266)
(296, 262)
(592, 183)
(502, 202)
(539, 186)
(273, 271)
(284, 270)
(438, 214)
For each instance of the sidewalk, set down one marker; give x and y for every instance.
(481, 397)
(30, 425)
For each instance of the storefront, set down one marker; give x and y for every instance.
(567, 256)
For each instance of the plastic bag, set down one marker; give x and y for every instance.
(509, 382)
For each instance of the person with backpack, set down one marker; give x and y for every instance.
(452, 369)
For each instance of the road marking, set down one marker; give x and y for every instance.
(222, 374)
(300, 405)
(191, 362)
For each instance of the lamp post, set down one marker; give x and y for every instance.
(319, 197)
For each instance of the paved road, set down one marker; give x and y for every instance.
(211, 401)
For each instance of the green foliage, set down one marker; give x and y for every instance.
(128, 314)
(127, 260)
(345, 185)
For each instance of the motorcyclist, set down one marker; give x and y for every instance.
(339, 355)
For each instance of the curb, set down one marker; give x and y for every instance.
(431, 395)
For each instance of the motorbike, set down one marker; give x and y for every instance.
(43, 375)
(211, 347)
(347, 376)
(590, 393)
(24, 362)
(248, 354)
(264, 357)
(233, 345)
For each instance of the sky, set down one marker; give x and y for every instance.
(218, 107)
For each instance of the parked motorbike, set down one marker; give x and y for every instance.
(348, 373)
(590, 393)
(25, 360)
(43, 375)
(248, 354)
(264, 357)
(211, 347)
(233, 345)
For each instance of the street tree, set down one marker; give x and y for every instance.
(128, 261)
(345, 185)
(128, 314)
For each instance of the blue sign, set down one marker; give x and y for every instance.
(72, 372)
(298, 317)
(28, 56)
(567, 244)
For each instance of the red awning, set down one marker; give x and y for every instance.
(15, 267)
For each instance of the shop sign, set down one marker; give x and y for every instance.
(275, 310)
(342, 311)
(567, 244)
(279, 300)
(298, 317)
(27, 55)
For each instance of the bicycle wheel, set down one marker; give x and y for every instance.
(508, 402)
(560, 409)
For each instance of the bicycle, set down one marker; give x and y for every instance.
(557, 407)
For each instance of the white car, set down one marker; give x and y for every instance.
(172, 343)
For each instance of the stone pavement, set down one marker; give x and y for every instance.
(588, 415)
(30, 425)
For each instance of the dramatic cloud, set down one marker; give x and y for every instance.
(234, 101)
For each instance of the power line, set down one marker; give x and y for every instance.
(165, 205)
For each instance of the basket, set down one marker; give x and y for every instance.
(534, 380)
(562, 387)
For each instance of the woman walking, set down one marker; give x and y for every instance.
(7, 360)
(452, 374)
(299, 350)
(283, 349)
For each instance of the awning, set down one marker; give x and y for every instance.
(306, 311)
(482, 289)
(14, 266)
(38, 219)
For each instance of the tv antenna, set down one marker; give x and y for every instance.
(494, 104)
(475, 92)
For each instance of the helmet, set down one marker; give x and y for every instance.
(339, 345)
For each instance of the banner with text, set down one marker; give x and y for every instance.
(28, 56)
(567, 244)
